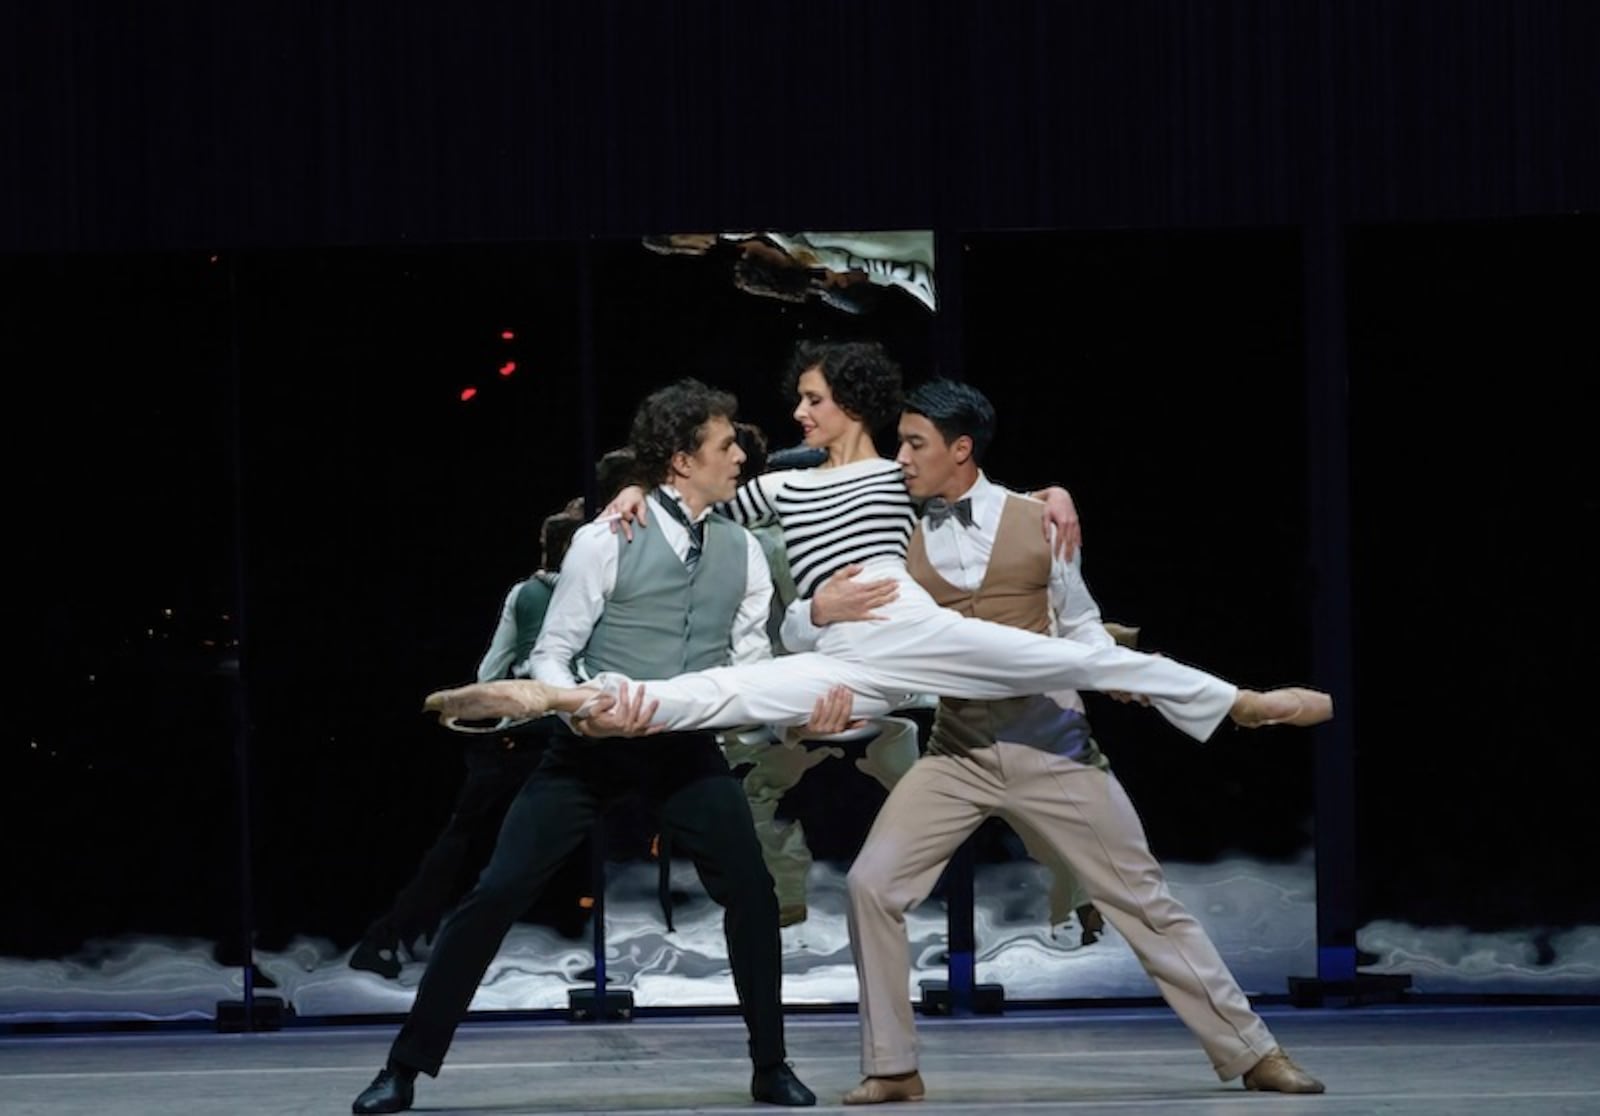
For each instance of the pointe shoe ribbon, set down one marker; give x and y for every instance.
(1292, 705)
(887, 1090)
(515, 698)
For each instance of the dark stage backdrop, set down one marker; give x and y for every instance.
(399, 455)
(195, 124)
(1157, 375)
(1475, 546)
(119, 772)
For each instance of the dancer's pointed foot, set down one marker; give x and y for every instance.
(1292, 705)
(517, 698)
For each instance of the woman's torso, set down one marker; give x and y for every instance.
(831, 518)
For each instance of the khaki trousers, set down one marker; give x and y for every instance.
(1083, 815)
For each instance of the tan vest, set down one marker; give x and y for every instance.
(1015, 591)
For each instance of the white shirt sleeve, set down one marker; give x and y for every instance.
(1076, 611)
(749, 641)
(798, 632)
(588, 575)
(497, 660)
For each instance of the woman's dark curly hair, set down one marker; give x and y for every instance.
(864, 379)
(672, 420)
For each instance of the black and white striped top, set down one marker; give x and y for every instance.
(830, 517)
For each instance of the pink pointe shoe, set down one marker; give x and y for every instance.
(516, 698)
(1292, 705)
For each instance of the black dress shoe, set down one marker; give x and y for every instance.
(376, 958)
(389, 1092)
(778, 1085)
(1093, 923)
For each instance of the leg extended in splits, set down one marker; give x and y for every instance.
(954, 656)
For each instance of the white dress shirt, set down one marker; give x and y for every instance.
(589, 574)
(960, 555)
(497, 661)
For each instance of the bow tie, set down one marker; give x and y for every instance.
(938, 509)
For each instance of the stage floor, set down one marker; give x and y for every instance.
(1411, 1059)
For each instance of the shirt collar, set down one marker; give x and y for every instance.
(668, 492)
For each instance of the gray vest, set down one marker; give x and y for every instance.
(659, 621)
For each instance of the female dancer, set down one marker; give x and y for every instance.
(855, 509)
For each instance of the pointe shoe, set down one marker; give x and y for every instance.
(516, 698)
(1276, 1073)
(887, 1090)
(1292, 705)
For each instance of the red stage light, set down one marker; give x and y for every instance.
(468, 393)
(508, 367)
(507, 335)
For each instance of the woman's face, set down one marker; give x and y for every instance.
(822, 421)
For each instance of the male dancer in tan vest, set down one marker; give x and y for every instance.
(1029, 760)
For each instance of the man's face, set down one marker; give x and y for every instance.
(932, 466)
(711, 473)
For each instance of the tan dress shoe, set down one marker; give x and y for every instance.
(884, 1090)
(1276, 1073)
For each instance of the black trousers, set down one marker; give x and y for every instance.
(705, 813)
(493, 776)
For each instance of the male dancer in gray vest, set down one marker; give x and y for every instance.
(1030, 760)
(692, 593)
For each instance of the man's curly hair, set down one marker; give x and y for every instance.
(864, 379)
(673, 420)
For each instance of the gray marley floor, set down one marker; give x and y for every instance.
(1396, 1059)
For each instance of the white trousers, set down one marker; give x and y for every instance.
(1085, 818)
(921, 648)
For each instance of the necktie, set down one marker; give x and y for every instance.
(696, 530)
(939, 509)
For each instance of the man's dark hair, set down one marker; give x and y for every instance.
(955, 409)
(616, 470)
(671, 421)
(864, 379)
(753, 440)
(555, 534)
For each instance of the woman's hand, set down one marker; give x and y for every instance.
(1062, 514)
